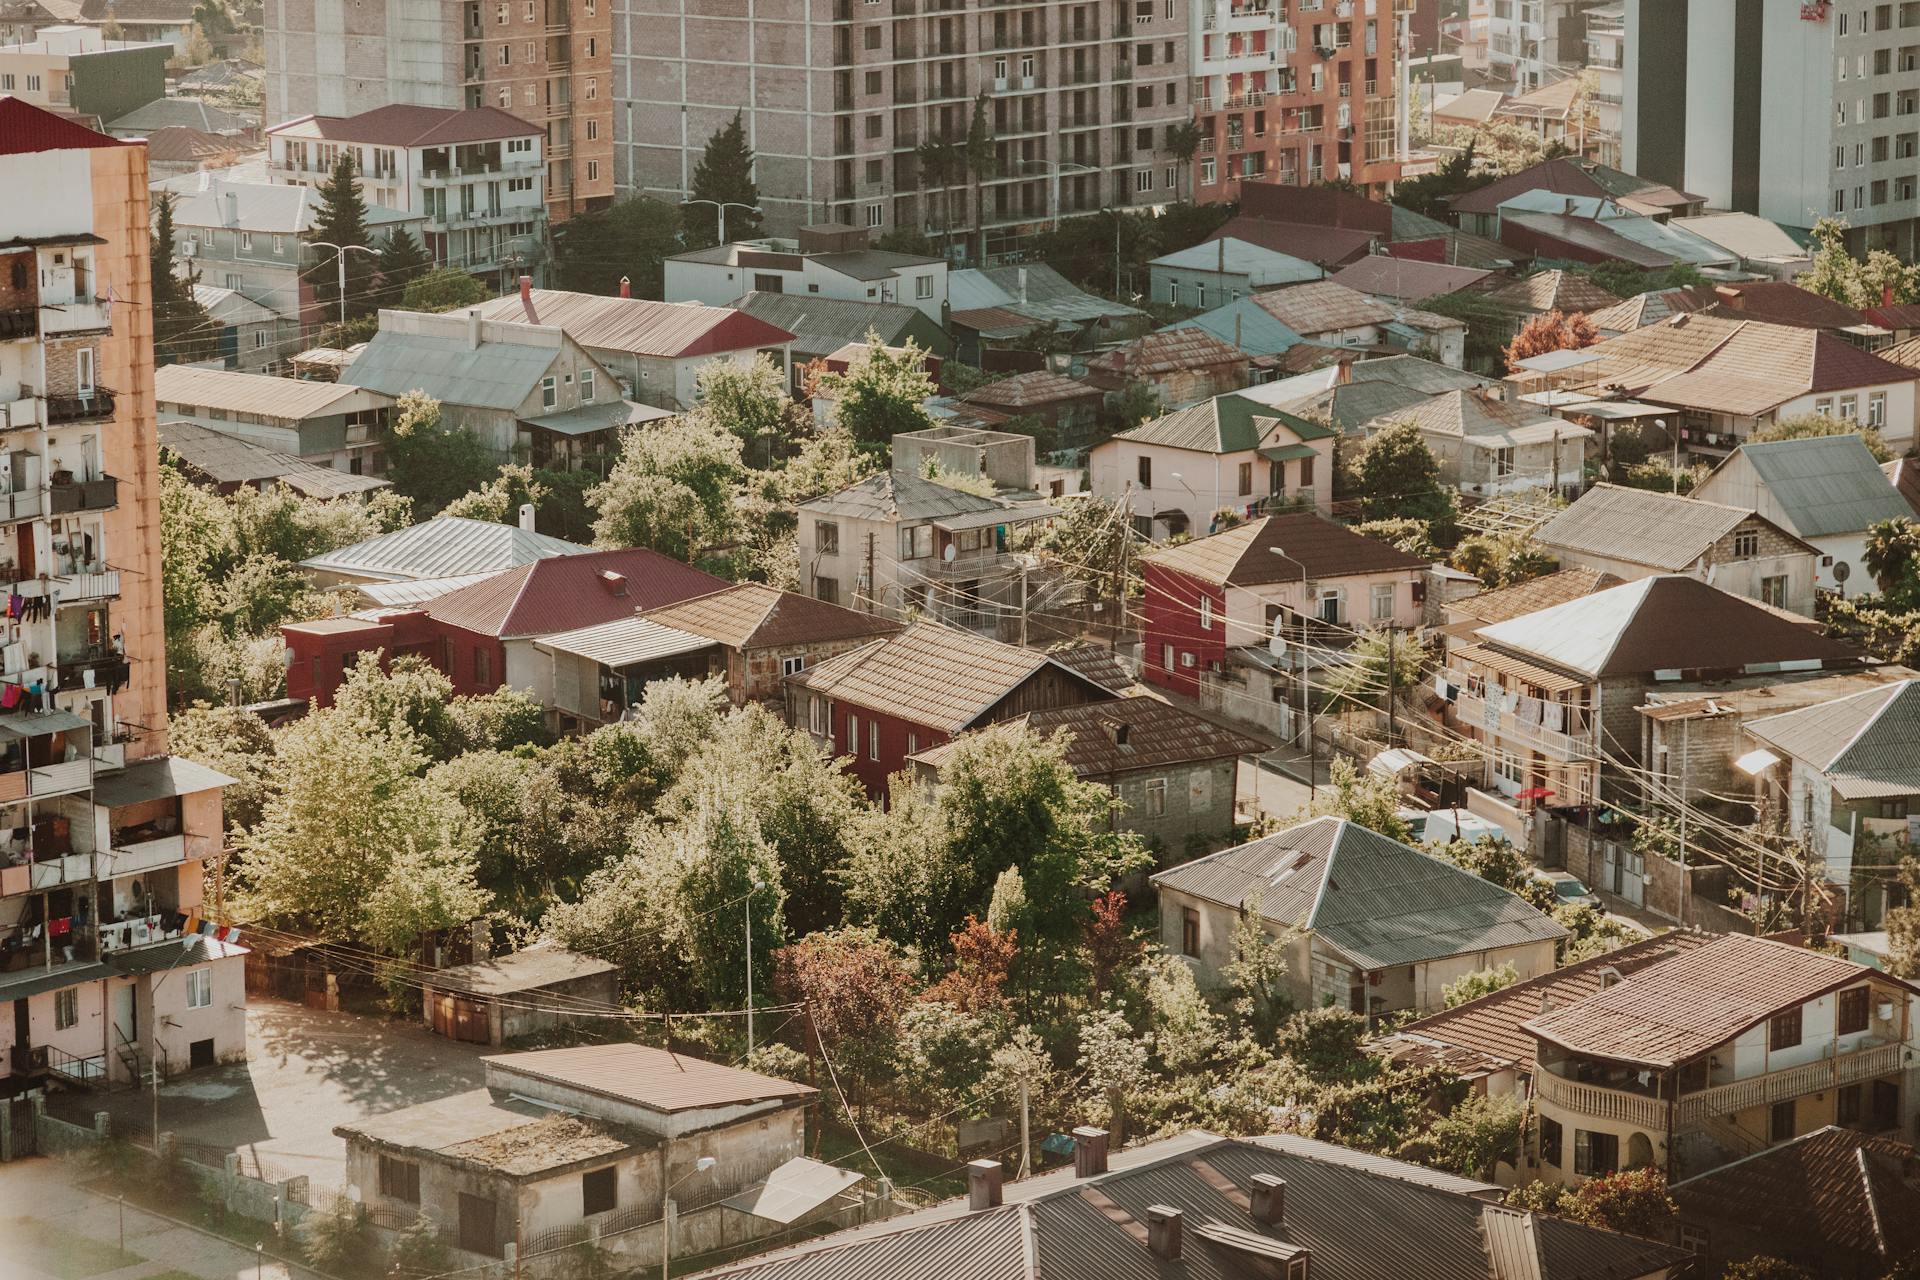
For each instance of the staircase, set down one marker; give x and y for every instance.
(1712, 1141)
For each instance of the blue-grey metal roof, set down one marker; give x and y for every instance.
(1244, 325)
(1826, 484)
(1261, 265)
(489, 375)
(1035, 291)
(443, 547)
(605, 416)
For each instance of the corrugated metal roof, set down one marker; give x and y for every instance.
(1821, 486)
(794, 1190)
(647, 1077)
(491, 375)
(443, 547)
(1036, 292)
(229, 459)
(290, 398)
(1167, 351)
(1322, 307)
(1868, 744)
(1328, 246)
(625, 641)
(528, 969)
(751, 615)
(1471, 416)
(896, 495)
(1262, 266)
(1379, 902)
(1157, 735)
(156, 779)
(1659, 530)
(1241, 324)
(415, 592)
(673, 330)
(565, 593)
(271, 208)
(1382, 275)
(821, 324)
(406, 125)
(609, 415)
(1311, 545)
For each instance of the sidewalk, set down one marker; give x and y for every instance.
(53, 1229)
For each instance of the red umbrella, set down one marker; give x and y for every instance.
(1534, 793)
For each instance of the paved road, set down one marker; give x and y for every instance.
(1276, 785)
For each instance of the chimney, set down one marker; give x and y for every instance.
(1269, 1199)
(1546, 1002)
(233, 208)
(526, 516)
(1089, 1152)
(1345, 373)
(526, 300)
(626, 287)
(1021, 276)
(983, 1184)
(1163, 1231)
(473, 330)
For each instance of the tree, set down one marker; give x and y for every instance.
(672, 489)
(1805, 426)
(237, 743)
(828, 461)
(183, 331)
(1554, 331)
(1903, 925)
(1836, 274)
(1114, 1063)
(442, 289)
(941, 164)
(882, 393)
(340, 218)
(500, 499)
(1375, 662)
(1430, 194)
(1252, 978)
(1110, 941)
(751, 402)
(983, 165)
(1764, 1267)
(1396, 475)
(1360, 798)
(1138, 402)
(1183, 140)
(402, 259)
(725, 176)
(1481, 982)
(1472, 1138)
(1088, 543)
(1892, 556)
(630, 240)
(1633, 1201)
(1502, 559)
(430, 463)
(983, 958)
(854, 984)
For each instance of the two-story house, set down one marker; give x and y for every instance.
(826, 261)
(476, 177)
(1182, 366)
(1328, 314)
(78, 70)
(1488, 446)
(325, 423)
(1228, 453)
(1325, 885)
(1634, 533)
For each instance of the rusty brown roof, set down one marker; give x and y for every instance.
(648, 1077)
(1167, 351)
(1321, 306)
(1157, 735)
(1026, 390)
(752, 615)
(1312, 545)
(1539, 593)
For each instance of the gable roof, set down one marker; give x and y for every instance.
(1166, 351)
(1675, 1011)
(565, 593)
(1408, 279)
(1659, 530)
(404, 125)
(1243, 325)
(1533, 595)
(190, 112)
(1224, 424)
(1027, 390)
(1543, 291)
(1244, 556)
(183, 144)
(899, 495)
(1643, 309)
(443, 547)
(1868, 743)
(1829, 1191)
(1327, 246)
(1472, 416)
(230, 459)
(1820, 485)
(1377, 901)
(1549, 101)
(1759, 366)
(674, 330)
(1322, 306)
(1575, 177)
(821, 325)
(254, 393)
(491, 375)
(1904, 475)
(1747, 235)
(1774, 302)
(202, 200)
(750, 615)
(1156, 735)
(1261, 265)
(933, 676)
(1035, 292)
(656, 1079)
(1668, 622)
(1475, 106)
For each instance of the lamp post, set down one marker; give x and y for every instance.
(758, 885)
(1053, 168)
(1191, 492)
(1674, 466)
(721, 207)
(340, 252)
(701, 1165)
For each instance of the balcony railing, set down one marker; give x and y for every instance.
(78, 316)
(1602, 1103)
(102, 494)
(46, 873)
(19, 322)
(99, 585)
(1509, 727)
(97, 403)
(27, 504)
(145, 855)
(93, 671)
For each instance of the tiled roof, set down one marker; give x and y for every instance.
(1550, 102)
(564, 593)
(1096, 663)
(1756, 367)
(895, 495)
(1659, 530)
(1377, 901)
(1330, 247)
(403, 125)
(751, 615)
(1244, 556)
(443, 547)
(1167, 351)
(1322, 307)
(1673, 1012)
(1868, 744)
(651, 1078)
(231, 459)
(1820, 485)
(1543, 291)
(1823, 1193)
(1899, 315)
(931, 675)
(1030, 389)
(253, 393)
(1224, 424)
(1664, 623)
(1643, 309)
(1774, 302)
(1531, 596)
(1491, 1026)
(182, 144)
(1408, 279)
(675, 330)
(1156, 735)
(1574, 177)
(1471, 415)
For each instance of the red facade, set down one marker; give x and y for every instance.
(320, 654)
(1186, 629)
(884, 744)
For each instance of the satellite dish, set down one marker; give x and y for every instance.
(948, 554)
(1842, 571)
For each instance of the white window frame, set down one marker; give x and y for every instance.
(873, 739)
(549, 392)
(1382, 597)
(1206, 613)
(199, 988)
(793, 665)
(586, 386)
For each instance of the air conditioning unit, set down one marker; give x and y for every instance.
(190, 249)
(1186, 659)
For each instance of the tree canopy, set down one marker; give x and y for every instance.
(724, 175)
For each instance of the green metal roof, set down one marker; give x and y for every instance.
(1825, 484)
(1224, 424)
(1287, 452)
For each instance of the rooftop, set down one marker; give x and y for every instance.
(206, 199)
(1377, 901)
(1034, 388)
(1660, 530)
(1477, 418)
(1867, 743)
(1408, 279)
(1576, 177)
(562, 593)
(1328, 246)
(495, 1132)
(894, 495)
(1821, 485)
(229, 459)
(1125, 735)
(653, 1079)
(443, 547)
(402, 125)
(1543, 291)
(820, 324)
(625, 641)
(1533, 595)
(1224, 424)
(1166, 351)
(528, 969)
(1313, 547)
(288, 399)
(674, 330)
(753, 616)
(439, 354)
(1322, 307)
(1036, 292)
(1262, 266)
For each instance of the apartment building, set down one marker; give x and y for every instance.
(548, 62)
(1532, 43)
(77, 70)
(1295, 94)
(103, 960)
(836, 95)
(476, 177)
(1842, 142)
(1606, 47)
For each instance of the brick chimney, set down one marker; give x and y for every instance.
(1268, 1195)
(1163, 1231)
(626, 287)
(526, 300)
(983, 1184)
(1089, 1152)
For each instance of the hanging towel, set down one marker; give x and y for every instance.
(60, 926)
(193, 923)
(1556, 717)
(233, 936)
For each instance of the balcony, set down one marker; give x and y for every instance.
(19, 322)
(145, 855)
(15, 415)
(83, 670)
(1509, 728)
(60, 779)
(97, 403)
(25, 504)
(98, 585)
(81, 315)
(102, 494)
(46, 873)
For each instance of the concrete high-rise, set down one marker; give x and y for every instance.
(1793, 112)
(549, 62)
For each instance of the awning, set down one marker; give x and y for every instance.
(197, 949)
(794, 1190)
(155, 780)
(987, 519)
(32, 724)
(589, 418)
(625, 641)
(32, 982)
(1539, 677)
(1286, 452)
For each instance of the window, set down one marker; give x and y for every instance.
(1157, 796)
(506, 55)
(1780, 1121)
(1381, 601)
(1189, 932)
(246, 240)
(1143, 179)
(1783, 1032)
(259, 339)
(66, 1008)
(586, 386)
(1849, 408)
(793, 666)
(1746, 544)
(1550, 1137)
(916, 543)
(1206, 613)
(1246, 478)
(816, 716)
(1773, 590)
(33, 84)
(593, 131)
(827, 589)
(500, 14)
(593, 88)
(400, 1180)
(873, 739)
(599, 1191)
(923, 289)
(913, 744)
(876, 214)
(1595, 1154)
(1693, 1239)
(1877, 409)
(549, 392)
(7, 82)
(1846, 1105)
(826, 538)
(1306, 473)
(83, 371)
(233, 280)
(1502, 462)
(1166, 657)
(1853, 1010)
(852, 740)
(593, 171)
(1146, 472)
(1895, 808)
(1209, 174)
(200, 989)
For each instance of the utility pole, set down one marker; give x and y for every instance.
(1023, 603)
(1393, 634)
(1686, 887)
(1026, 1151)
(870, 582)
(1125, 515)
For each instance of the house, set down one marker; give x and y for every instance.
(1326, 245)
(765, 635)
(1783, 302)
(1466, 615)
(1597, 230)
(1845, 776)
(1221, 270)
(1174, 773)
(1547, 291)
(1553, 693)
(1557, 113)
(888, 700)
(821, 325)
(1488, 447)
(435, 550)
(179, 149)
(535, 989)
(477, 177)
(1350, 392)
(1643, 309)
(191, 113)
(75, 69)
(1325, 887)
(512, 384)
(1470, 109)
(327, 424)
(1242, 325)
(1198, 1205)
(567, 1143)
(1069, 407)
(1478, 211)
(1327, 313)
(225, 463)
(655, 350)
(248, 333)
(597, 674)
(1242, 619)
(1716, 1054)
(1388, 278)
(1827, 490)
(830, 261)
(1224, 454)
(896, 541)
(1002, 306)
(1763, 248)
(1837, 1201)
(1632, 533)
(1182, 366)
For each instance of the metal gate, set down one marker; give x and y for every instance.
(20, 1127)
(460, 1018)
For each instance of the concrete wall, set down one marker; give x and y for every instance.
(1197, 801)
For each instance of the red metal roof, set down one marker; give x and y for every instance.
(641, 325)
(566, 592)
(403, 125)
(26, 130)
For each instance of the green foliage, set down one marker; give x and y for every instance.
(882, 393)
(402, 260)
(1377, 661)
(672, 488)
(238, 744)
(1253, 976)
(1360, 798)
(1656, 474)
(1763, 1267)
(827, 462)
(1633, 1201)
(1481, 982)
(1415, 537)
(1902, 924)
(751, 401)
(432, 464)
(338, 1239)
(1489, 325)
(183, 331)
(1396, 476)
(1087, 544)
(1624, 280)
(1593, 933)
(1877, 625)
(1430, 193)
(340, 218)
(500, 499)
(1471, 1138)
(1805, 426)
(443, 289)
(1113, 1062)
(1838, 275)
(419, 1250)
(854, 983)
(630, 239)
(1138, 402)
(1501, 560)
(724, 175)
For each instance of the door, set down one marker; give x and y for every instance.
(1886, 1105)
(476, 1225)
(126, 1027)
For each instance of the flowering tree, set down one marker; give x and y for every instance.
(1554, 331)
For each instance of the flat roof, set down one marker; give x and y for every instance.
(540, 965)
(649, 1077)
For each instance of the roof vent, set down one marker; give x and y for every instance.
(1163, 1231)
(1610, 977)
(615, 583)
(1119, 731)
(1089, 1152)
(1679, 321)
(983, 1184)
(1546, 1002)
(1269, 1199)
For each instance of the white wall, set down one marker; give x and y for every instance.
(49, 193)
(1797, 130)
(1710, 77)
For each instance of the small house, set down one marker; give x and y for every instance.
(527, 991)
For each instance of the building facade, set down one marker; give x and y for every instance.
(70, 68)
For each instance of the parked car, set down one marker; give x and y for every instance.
(1568, 889)
(1442, 826)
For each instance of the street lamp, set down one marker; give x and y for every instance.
(340, 252)
(721, 207)
(758, 885)
(701, 1165)
(1053, 168)
(1675, 465)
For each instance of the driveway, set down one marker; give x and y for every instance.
(306, 1071)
